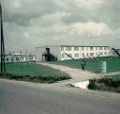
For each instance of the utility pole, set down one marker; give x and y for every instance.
(3, 67)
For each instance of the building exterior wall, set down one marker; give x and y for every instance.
(66, 52)
(95, 51)
(54, 50)
(74, 52)
(13, 58)
(78, 52)
(38, 52)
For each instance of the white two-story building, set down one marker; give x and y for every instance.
(65, 52)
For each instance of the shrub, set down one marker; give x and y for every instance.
(107, 84)
(92, 85)
(32, 78)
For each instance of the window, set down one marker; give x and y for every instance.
(69, 55)
(101, 53)
(86, 48)
(91, 48)
(105, 53)
(68, 48)
(62, 48)
(76, 55)
(76, 48)
(105, 48)
(7, 59)
(91, 54)
(17, 59)
(11, 59)
(101, 48)
(83, 54)
(63, 55)
(87, 54)
(82, 48)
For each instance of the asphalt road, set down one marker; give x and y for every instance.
(20, 99)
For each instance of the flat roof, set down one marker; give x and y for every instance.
(72, 46)
(84, 46)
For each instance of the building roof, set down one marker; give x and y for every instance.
(73, 46)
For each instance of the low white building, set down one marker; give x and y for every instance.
(17, 57)
(65, 52)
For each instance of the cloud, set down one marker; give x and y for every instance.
(91, 29)
(99, 11)
(61, 28)
(54, 18)
(22, 11)
(31, 23)
(89, 3)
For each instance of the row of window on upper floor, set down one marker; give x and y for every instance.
(69, 48)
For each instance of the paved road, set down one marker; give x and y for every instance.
(21, 99)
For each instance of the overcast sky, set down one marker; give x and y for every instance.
(33, 23)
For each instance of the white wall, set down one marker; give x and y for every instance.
(54, 50)
(72, 53)
(85, 52)
(59, 52)
(38, 52)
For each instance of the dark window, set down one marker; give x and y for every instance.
(91, 48)
(7, 59)
(62, 48)
(76, 48)
(68, 48)
(91, 54)
(82, 48)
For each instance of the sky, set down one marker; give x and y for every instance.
(34, 23)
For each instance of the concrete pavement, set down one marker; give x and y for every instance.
(20, 99)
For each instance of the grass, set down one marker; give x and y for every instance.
(34, 73)
(113, 64)
(32, 69)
